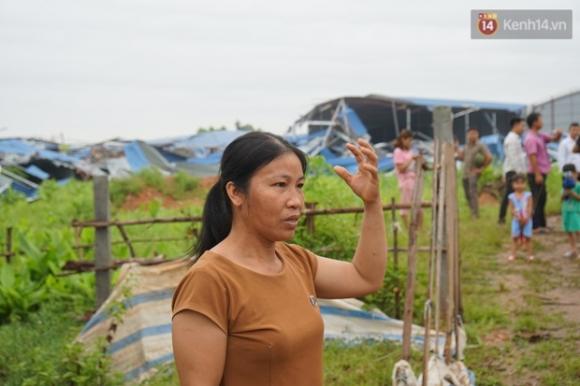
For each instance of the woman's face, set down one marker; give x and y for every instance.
(407, 142)
(274, 201)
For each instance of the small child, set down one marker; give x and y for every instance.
(571, 206)
(520, 202)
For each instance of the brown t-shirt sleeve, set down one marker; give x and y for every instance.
(308, 257)
(202, 291)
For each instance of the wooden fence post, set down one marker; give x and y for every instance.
(102, 239)
(309, 217)
(412, 262)
(443, 133)
(397, 288)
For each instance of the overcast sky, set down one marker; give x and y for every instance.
(148, 69)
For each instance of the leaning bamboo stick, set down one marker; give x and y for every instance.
(450, 232)
(412, 264)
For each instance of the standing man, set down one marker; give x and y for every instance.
(566, 153)
(476, 157)
(539, 166)
(514, 162)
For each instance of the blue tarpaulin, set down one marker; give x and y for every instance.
(352, 120)
(37, 172)
(26, 149)
(17, 146)
(135, 157)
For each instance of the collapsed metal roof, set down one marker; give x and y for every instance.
(385, 116)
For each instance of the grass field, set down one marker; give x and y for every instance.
(42, 314)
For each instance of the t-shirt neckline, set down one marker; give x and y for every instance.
(231, 262)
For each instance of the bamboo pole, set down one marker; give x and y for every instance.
(8, 245)
(310, 226)
(396, 249)
(412, 263)
(439, 249)
(450, 198)
(126, 240)
(428, 312)
(313, 212)
(102, 239)
(77, 235)
(72, 267)
(135, 241)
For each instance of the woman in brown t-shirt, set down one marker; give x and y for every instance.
(246, 312)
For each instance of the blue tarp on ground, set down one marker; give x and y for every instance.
(142, 339)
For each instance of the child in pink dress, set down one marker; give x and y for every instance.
(404, 160)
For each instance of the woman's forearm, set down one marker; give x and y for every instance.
(370, 258)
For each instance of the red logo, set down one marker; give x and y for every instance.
(487, 23)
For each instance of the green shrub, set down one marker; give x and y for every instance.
(37, 351)
(183, 184)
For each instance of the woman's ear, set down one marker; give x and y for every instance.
(235, 195)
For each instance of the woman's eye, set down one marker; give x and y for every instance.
(300, 186)
(280, 184)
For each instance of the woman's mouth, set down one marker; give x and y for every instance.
(292, 221)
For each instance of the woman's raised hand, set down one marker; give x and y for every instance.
(365, 182)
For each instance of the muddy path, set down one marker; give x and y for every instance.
(542, 300)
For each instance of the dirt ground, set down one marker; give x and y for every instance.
(149, 194)
(548, 286)
(562, 273)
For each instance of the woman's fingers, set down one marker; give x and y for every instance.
(370, 154)
(343, 173)
(371, 169)
(358, 154)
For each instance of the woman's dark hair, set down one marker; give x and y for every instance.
(240, 160)
(402, 136)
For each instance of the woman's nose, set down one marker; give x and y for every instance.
(296, 200)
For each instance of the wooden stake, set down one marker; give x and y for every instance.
(412, 264)
(102, 239)
(396, 259)
(310, 227)
(8, 244)
(127, 240)
(450, 233)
